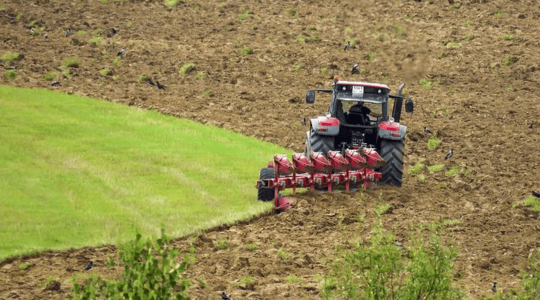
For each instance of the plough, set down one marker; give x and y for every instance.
(351, 168)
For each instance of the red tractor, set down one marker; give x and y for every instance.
(358, 141)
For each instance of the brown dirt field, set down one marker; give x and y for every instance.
(482, 102)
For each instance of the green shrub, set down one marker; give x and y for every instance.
(116, 61)
(105, 71)
(150, 272)
(171, 3)
(142, 78)
(371, 56)
(251, 246)
(297, 68)
(433, 143)
(23, 266)
(245, 15)
(221, 244)
(417, 168)
(186, 68)
(245, 51)
(10, 56)
(426, 84)
(200, 75)
(453, 45)
(381, 269)
(10, 74)
(436, 168)
(533, 203)
(421, 178)
(49, 76)
(95, 41)
(453, 171)
(208, 94)
(292, 279)
(507, 37)
(72, 62)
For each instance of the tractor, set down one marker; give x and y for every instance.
(358, 141)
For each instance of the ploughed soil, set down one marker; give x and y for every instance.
(471, 66)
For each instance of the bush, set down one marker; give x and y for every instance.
(145, 276)
(186, 68)
(10, 74)
(49, 76)
(10, 56)
(72, 62)
(384, 269)
(433, 143)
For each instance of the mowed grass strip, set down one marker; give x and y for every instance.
(80, 172)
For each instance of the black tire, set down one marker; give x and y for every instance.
(321, 143)
(265, 194)
(392, 152)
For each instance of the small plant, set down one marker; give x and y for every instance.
(244, 15)
(407, 17)
(291, 11)
(186, 68)
(452, 171)
(452, 91)
(324, 71)
(436, 168)
(202, 283)
(533, 203)
(115, 77)
(453, 45)
(66, 74)
(128, 25)
(283, 254)
(116, 61)
(381, 209)
(10, 74)
(105, 71)
(348, 30)
(97, 32)
(245, 51)
(254, 27)
(48, 281)
(49, 76)
(292, 279)
(200, 75)
(417, 168)
(297, 68)
(221, 244)
(96, 41)
(507, 60)
(468, 23)
(301, 39)
(499, 14)
(252, 246)
(371, 56)
(426, 84)
(421, 178)
(72, 62)
(142, 78)
(222, 4)
(400, 30)
(208, 94)
(23, 266)
(171, 3)
(507, 37)
(10, 56)
(433, 143)
(510, 89)
(455, 6)
(468, 37)
(81, 33)
(246, 280)
(151, 272)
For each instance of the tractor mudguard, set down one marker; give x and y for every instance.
(392, 131)
(325, 125)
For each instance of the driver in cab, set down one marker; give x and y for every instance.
(364, 110)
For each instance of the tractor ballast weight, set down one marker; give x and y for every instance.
(349, 146)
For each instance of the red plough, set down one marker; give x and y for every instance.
(353, 168)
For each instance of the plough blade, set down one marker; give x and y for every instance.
(351, 168)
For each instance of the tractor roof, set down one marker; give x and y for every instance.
(361, 91)
(366, 84)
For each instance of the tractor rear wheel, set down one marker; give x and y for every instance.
(319, 143)
(265, 194)
(392, 152)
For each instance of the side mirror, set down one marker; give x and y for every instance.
(310, 97)
(409, 106)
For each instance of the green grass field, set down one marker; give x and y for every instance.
(80, 172)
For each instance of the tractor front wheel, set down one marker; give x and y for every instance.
(265, 194)
(392, 152)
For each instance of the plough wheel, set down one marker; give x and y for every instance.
(265, 194)
(392, 152)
